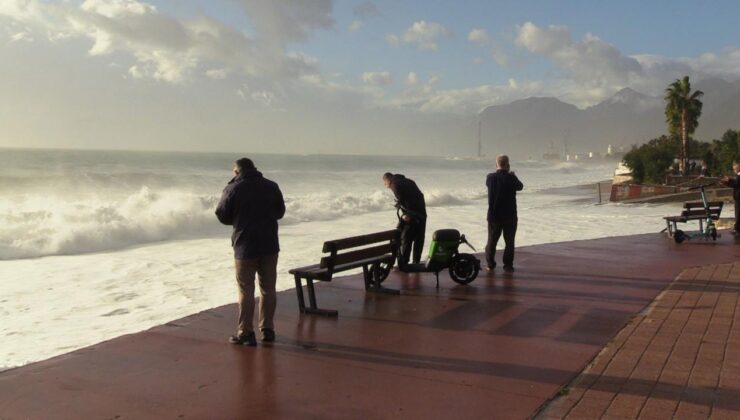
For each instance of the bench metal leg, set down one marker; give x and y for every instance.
(312, 308)
(371, 284)
(299, 292)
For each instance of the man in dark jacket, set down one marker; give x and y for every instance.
(253, 205)
(502, 216)
(734, 182)
(413, 223)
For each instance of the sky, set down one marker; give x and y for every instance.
(324, 76)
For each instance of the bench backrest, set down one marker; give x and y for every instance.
(357, 248)
(695, 209)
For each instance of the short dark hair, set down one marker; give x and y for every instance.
(244, 164)
(387, 175)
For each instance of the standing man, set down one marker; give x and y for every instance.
(735, 184)
(253, 204)
(502, 217)
(413, 223)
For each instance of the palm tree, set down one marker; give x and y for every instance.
(682, 112)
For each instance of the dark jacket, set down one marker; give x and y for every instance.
(409, 196)
(735, 185)
(253, 205)
(502, 187)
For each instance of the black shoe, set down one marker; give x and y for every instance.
(491, 267)
(508, 269)
(268, 335)
(247, 339)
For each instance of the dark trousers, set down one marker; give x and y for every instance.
(495, 229)
(737, 216)
(412, 234)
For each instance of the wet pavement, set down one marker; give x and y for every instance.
(679, 359)
(501, 347)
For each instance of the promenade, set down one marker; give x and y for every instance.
(680, 358)
(503, 347)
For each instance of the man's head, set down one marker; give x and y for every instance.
(736, 166)
(387, 179)
(502, 162)
(242, 165)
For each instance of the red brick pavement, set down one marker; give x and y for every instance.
(680, 358)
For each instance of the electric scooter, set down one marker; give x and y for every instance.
(443, 255)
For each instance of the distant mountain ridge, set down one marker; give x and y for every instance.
(536, 125)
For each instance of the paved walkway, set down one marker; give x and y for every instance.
(679, 359)
(499, 348)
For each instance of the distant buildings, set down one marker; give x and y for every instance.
(611, 154)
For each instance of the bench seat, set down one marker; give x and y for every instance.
(694, 210)
(365, 251)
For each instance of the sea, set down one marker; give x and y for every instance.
(97, 244)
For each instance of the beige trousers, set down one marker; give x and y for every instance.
(266, 270)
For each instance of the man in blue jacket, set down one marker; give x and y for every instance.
(502, 216)
(253, 204)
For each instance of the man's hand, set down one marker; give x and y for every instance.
(406, 218)
(725, 179)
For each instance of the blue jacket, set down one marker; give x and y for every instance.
(252, 204)
(502, 187)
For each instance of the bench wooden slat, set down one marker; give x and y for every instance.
(360, 254)
(698, 204)
(700, 214)
(306, 269)
(355, 241)
(322, 273)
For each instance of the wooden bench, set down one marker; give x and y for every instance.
(374, 252)
(694, 210)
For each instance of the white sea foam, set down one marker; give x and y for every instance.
(130, 240)
(40, 227)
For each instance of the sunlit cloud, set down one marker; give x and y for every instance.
(422, 35)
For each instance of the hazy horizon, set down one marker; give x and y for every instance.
(329, 77)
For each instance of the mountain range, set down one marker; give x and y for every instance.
(537, 125)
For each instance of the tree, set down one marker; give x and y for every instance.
(682, 112)
(650, 162)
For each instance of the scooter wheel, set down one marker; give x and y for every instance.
(713, 234)
(679, 236)
(464, 268)
(380, 271)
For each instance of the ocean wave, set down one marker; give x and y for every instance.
(40, 227)
(43, 226)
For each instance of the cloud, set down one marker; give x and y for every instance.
(284, 21)
(479, 36)
(24, 35)
(355, 26)
(422, 34)
(595, 69)
(591, 60)
(412, 79)
(427, 98)
(168, 49)
(217, 74)
(382, 78)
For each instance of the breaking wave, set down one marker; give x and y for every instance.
(40, 226)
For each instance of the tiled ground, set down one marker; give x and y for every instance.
(680, 358)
